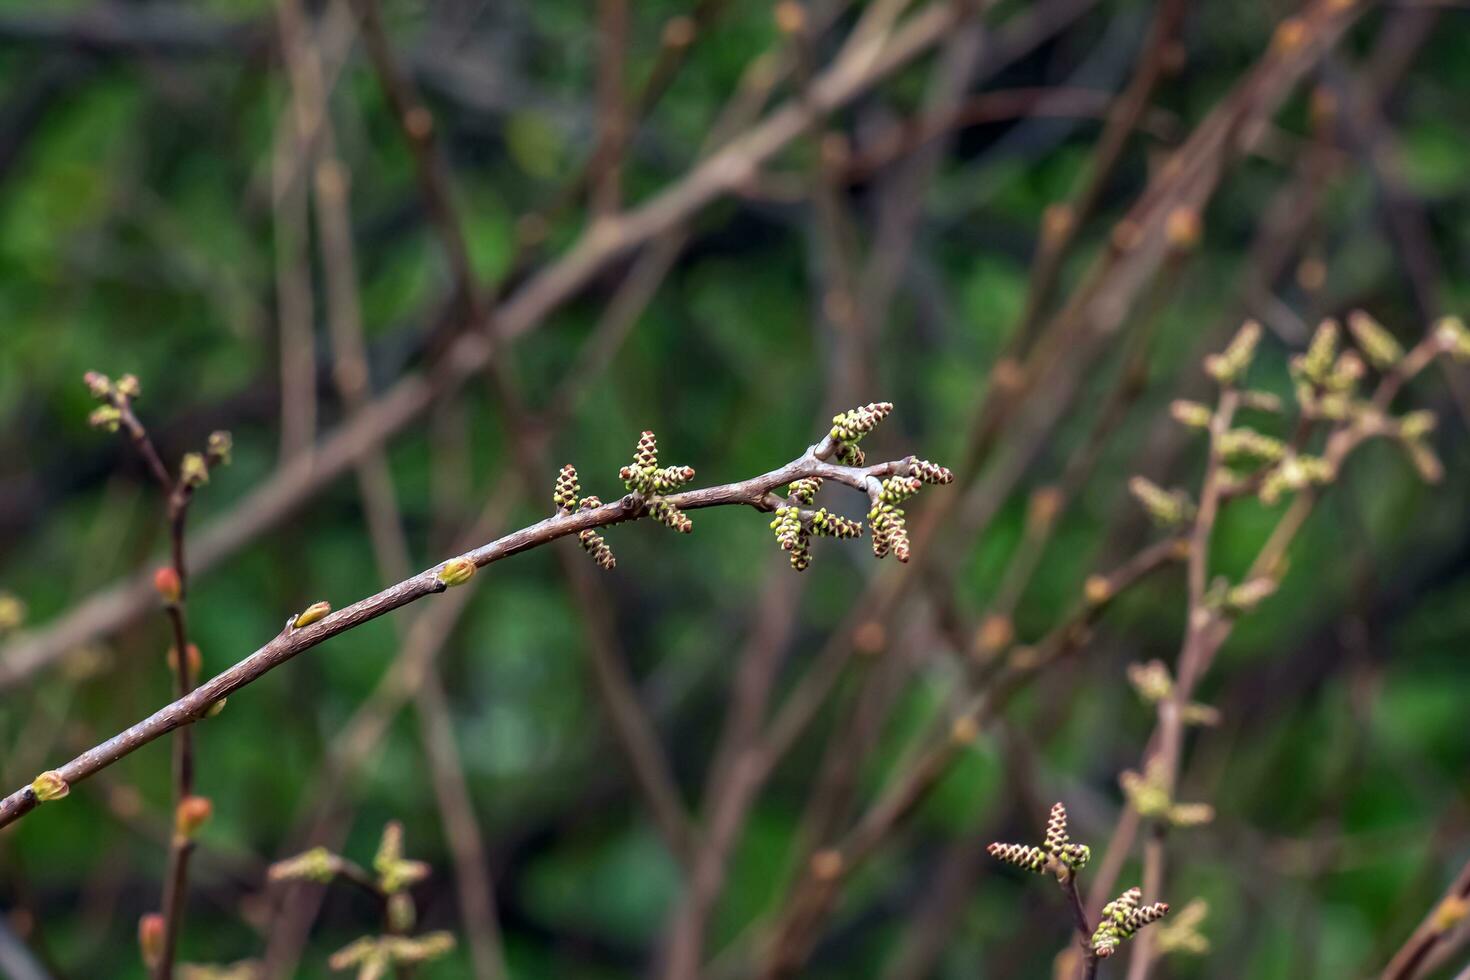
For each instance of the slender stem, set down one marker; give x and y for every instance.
(1084, 931)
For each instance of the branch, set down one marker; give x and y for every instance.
(303, 632)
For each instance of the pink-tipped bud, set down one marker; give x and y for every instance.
(195, 660)
(192, 813)
(166, 582)
(150, 938)
(99, 384)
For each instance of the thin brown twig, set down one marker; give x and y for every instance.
(755, 493)
(178, 493)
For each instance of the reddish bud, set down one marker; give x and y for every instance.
(166, 581)
(192, 813)
(150, 938)
(196, 661)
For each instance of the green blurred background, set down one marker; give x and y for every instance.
(138, 234)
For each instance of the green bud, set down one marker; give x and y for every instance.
(312, 613)
(1191, 414)
(1375, 341)
(106, 417)
(49, 786)
(194, 470)
(1230, 365)
(219, 447)
(1167, 508)
(456, 571)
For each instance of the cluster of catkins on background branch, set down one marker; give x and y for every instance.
(1059, 856)
(395, 948)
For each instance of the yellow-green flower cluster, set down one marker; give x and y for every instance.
(1057, 855)
(564, 494)
(592, 542)
(1166, 508)
(886, 518)
(848, 429)
(1230, 365)
(1122, 918)
(645, 477)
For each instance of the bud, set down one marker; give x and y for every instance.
(1375, 341)
(1451, 335)
(1056, 220)
(1183, 229)
(1151, 680)
(995, 634)
(1190, 814)
(12, 611)
(312, 613)
(827, 864)
(790, 17)
(832, 525)
(1414, 425)
(1316, 364)
(1230, 365)
(193, 470)
(128, 387)
(1243, 442)
(679, 32)
(596, 546)
(1261, 401)
(1121, 918)
(1425, 460)
(927, 472)
(964, 730)
(49, 786)
(1167, 508)
(564, 494)
(1290, 35)
(456, 571)
(219, 447)
(852, 425)
(1192, 414)
(1247, 596)
(671, 516)
(216, 708)
(1097, 589)
(105, 417)
(192, 813)
(166, 582)
(671, 478)
(1182, 934)
(1056, 829)
(1029, 858)
(1450, 912)
(151, 938)
(98, 384)
(195, 660)
(645, 455)
(318, 864)
(1042, 508)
